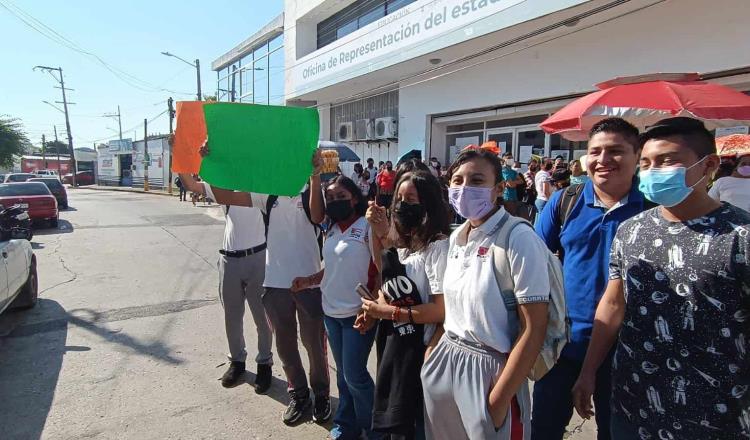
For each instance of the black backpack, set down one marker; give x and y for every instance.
(305, 195)
(568, 200)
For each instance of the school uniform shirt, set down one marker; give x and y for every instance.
(682, 367)
(474, 308)
(347, 256)
(427, 268)
(292, 242)
(373, 173)
(541, 177)
(244, 227)
(734, 190)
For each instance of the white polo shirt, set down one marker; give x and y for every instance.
(426, 268)
(541, 177)
(244, 228)
(292, 242)
(734, 190)
(474, 309)
(347, 256)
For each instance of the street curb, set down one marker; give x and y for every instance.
(124, 189)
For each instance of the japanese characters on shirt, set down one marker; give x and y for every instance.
(681, 369)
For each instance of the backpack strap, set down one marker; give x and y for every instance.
(502, 269)
(267, 213)
(567, 201)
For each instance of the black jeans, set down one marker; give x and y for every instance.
(553, 400)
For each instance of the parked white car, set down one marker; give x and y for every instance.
(19, 284)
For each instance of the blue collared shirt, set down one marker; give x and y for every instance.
(585, 242)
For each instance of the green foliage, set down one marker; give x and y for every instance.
(57, 146)
(13, 140)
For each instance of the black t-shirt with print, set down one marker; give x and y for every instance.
(682, 370)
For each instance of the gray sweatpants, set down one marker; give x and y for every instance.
(284, 309)
(457, 379)
(240, 281)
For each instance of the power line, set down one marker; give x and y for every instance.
(58, 38)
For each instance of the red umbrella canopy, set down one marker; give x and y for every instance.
(733, 145)
(644, 100)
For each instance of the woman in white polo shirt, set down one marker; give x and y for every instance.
(347, 257)
(735, 189)
(475, 380)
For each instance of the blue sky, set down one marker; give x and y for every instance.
(128, 35)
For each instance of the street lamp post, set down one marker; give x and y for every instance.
(67, 117)
(197, 66)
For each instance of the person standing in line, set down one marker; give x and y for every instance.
(181, 187)
(293, 251)
(559, 163)
(560, 179)
(357, 174)
(373, 173)
(435, 167)
(386, 180)
(579, 224)
(474, 381)
(577, 175)
(529, 176)
(677, 305)
(347, 255)
(543, 185)
(735, 189)
(364, 184)
(241, 266)
(512, 180)
(411, 322)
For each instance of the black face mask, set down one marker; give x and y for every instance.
(389, 168)
(409, 215)
(339, 210)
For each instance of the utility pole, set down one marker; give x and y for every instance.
(198, 70)
(119, 121)
(44, 152)
(170, 106)
(57, 146)
(61, 80)
(145, 155)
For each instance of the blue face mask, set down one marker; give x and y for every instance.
(667, 186)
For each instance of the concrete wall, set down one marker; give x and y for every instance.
(674, 36)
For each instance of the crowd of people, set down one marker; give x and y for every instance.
(655, 270)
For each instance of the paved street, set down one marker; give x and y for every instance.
(127, 339)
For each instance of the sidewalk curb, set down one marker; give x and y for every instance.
(124, 189)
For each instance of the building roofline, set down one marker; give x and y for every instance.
(271, 29)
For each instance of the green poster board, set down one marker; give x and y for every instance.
(260, 148)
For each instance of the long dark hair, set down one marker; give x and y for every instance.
(360, 208)
(436, 222)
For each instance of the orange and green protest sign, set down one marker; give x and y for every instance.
(255, 148)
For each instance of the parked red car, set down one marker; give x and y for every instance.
(56, 188)
(35, 196)
(82, 178)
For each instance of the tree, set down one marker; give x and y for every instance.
(57, 146)
(13, 141)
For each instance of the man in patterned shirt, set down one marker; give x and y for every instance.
(679, 296)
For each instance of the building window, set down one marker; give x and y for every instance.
(257, 78)
(356, 16)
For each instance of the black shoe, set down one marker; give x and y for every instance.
(233, 375)
(263, 379)
(297, 407)
(322, 410)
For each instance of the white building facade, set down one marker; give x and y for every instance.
(389, 76)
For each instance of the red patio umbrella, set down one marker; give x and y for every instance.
(644, 100)
(733, 145)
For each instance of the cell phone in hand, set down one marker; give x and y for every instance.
(365, 293)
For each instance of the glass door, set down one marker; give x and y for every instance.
(503, 137)
(530, 141)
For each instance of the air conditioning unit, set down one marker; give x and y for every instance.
(345, 132)
(364, 129)
(386, 128)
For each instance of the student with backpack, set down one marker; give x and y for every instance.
(293, 249)
(579, 224)
(475, 381)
